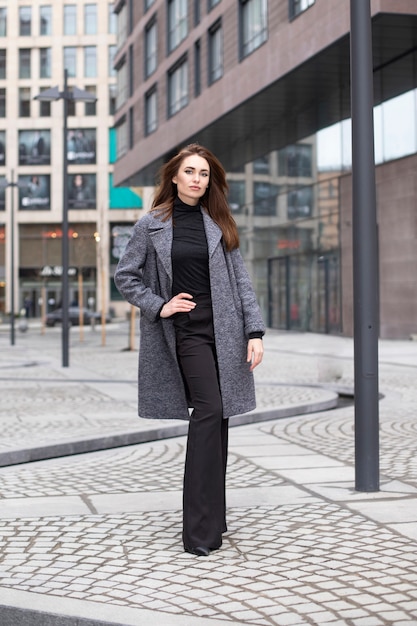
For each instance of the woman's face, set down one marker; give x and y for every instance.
(192, 179)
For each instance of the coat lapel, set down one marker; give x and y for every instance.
(161, 236)
(213, 233)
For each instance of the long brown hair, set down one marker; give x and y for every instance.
(214, 199)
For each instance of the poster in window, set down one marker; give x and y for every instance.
(34, 192)
(2, 147)
(81, 146)
(34, 147)
(82, 191)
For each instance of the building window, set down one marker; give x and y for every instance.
(122, 25)
(45, 63)
(151, 111)
(177, 22)
(90, 19)
(24, 62)
(3, 63)
(112, 20)
(44, 107)
(121, 138)
(178, 87)
(90, 108)
(211, 4)
(197, 12)
(70, 60)
(90, 61)
(300, 202)
(45, 16)
(24, 102)
(197, 68)
(253, 25)
(122, 82)
(2, 102)
(131, 72)
(112, 54)
(148, 4)
(70, 19)
(131, 128)
(151, 48)
(112, 99)
(265, 196)
(3, 21)
(215, 53)
(298, 6)
(295, 161)
(25, 21)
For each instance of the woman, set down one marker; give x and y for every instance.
(201, 327)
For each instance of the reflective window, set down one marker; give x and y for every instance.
(70, 19)
(2, 102)
(300, 202)
(44, 107)
(296, 160)
(45, 16)
(236, 195)
(90, 108)
(151, 112)
(151, 49)
(25, 21)
(122, 25)
(254, 24)
(90, 61)
(177, 22)
(24, 62)
(148, 3)
(298, 6)
(399, 126)
(112, 99)
(3, 21)
(24, 102)
(215, 53)
(70, 60)
(122, 84)
(178, 88)
(3, 63)
(45, 68)
(112, 54)
(265, 197)
(112, 20)
(90, 19)
(211, 4)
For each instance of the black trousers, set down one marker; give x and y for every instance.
(204, 501)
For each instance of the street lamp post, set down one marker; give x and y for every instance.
(66, 96)
(12, 184)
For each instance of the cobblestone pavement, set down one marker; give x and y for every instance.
(97, 536)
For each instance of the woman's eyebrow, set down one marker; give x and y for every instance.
(190, 167)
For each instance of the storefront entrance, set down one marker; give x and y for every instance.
(304, 293)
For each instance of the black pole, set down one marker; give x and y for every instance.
(365, 255)
(12, 326)
(65, 244)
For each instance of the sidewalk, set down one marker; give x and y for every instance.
(95, 538)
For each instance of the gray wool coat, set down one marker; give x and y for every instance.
(144, 278)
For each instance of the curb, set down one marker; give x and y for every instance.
(116, 440)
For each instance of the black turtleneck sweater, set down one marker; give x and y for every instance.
(190, 253)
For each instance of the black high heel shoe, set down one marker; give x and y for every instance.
(198, 551)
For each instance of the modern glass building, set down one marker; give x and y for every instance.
(265, 84)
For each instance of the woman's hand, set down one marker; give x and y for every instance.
(181, 303)
(255, 352)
